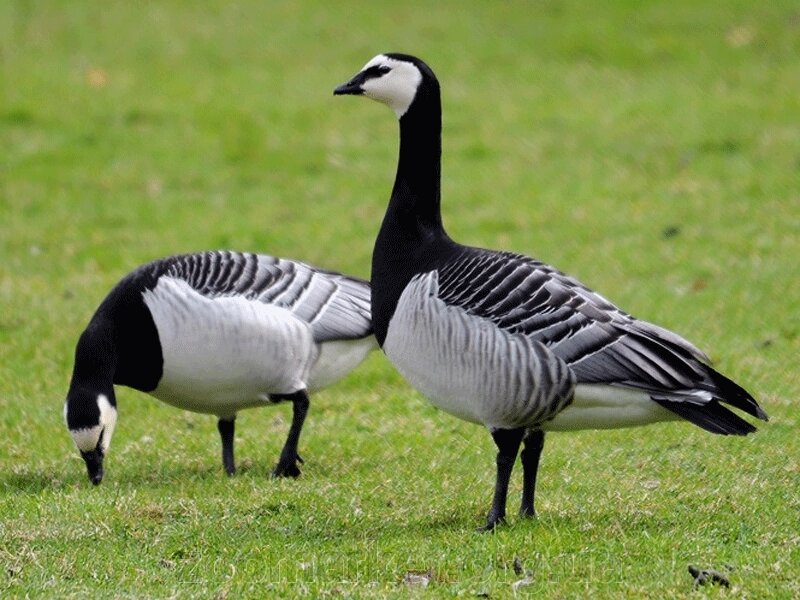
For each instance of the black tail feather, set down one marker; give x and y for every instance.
(711, 416)
(732, 393)
(720, 388)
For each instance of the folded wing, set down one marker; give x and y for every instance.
(600, 343)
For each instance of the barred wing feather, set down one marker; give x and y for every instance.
(471, 368)
(600, 343)
(337, 307)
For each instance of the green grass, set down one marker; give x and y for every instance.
(651, 149)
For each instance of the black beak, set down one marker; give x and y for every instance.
(352, 87)
(94, 465)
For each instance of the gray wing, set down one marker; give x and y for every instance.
(336, 306)
(469, 367)
(600, 343)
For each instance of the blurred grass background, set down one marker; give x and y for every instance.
(651, 149)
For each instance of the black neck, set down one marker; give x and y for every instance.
(121, 343)
(415, 202)
(95, 354)
(93, 374)
(413, 220)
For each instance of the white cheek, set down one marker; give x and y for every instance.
(395, 89)
(86, 439)
(108, 420)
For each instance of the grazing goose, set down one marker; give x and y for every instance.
(507, 341)
(216, 332)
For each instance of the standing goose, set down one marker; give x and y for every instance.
(216, 332)
(507, 341)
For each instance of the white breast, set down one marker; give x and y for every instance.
(226, 353)
(470, 368)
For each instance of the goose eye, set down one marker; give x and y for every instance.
(377, 71)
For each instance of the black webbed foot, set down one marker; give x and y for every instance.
(492, 523)
(287, 467)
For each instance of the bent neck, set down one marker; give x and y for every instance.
(92, 375)
(95, 355)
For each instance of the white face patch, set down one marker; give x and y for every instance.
(397, 88)
(88, 438)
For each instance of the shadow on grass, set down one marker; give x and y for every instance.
(168, 476)
(30, 482)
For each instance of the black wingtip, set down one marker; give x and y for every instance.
(711, 416)
(732, 393)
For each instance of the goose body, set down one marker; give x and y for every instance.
(505, 340)
(215, 333)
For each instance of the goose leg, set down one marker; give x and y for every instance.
(287, 463)
(226, 427)
(531, 453)
(507, 442)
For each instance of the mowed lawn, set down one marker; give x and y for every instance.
(650, 149)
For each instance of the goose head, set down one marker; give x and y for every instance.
(91, 416)
(392, 79)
